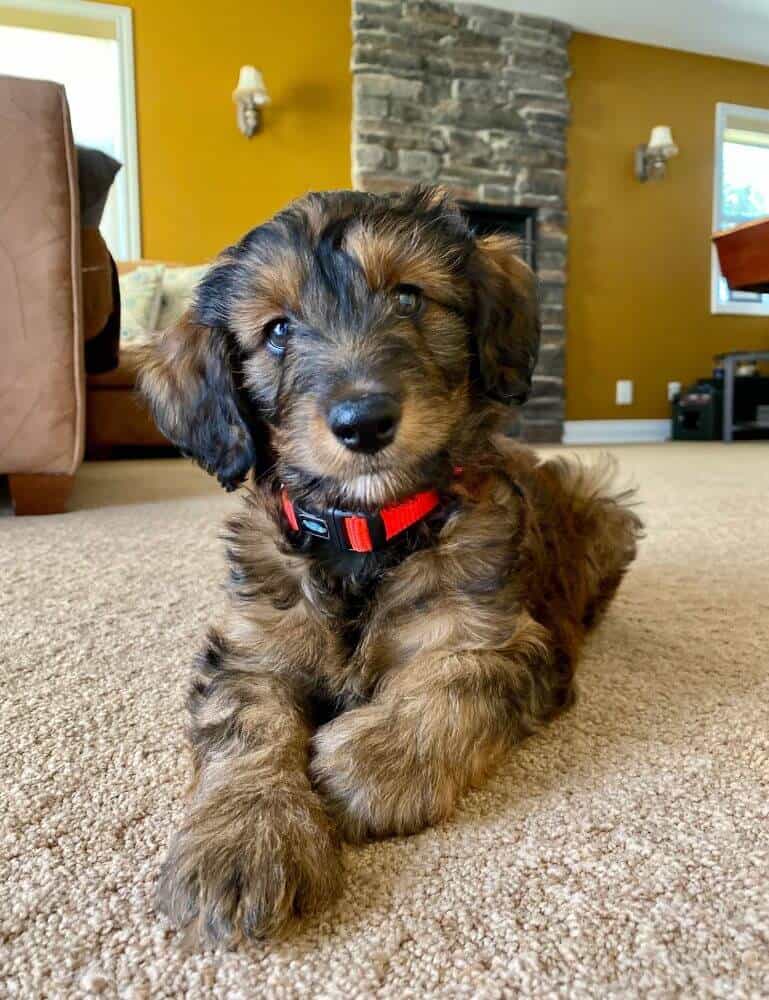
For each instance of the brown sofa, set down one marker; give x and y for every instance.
(56, 295)
(42, 379)
(117, 422)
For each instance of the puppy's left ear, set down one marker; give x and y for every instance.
(187, 375)
(506, 318)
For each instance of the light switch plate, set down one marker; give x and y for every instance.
(624, 392)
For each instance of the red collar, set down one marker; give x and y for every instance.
(367, 532)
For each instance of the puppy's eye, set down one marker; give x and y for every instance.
(408, 300)
(276, 335)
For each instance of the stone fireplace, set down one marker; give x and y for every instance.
(475, 99)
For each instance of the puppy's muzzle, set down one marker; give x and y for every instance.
(365, 423)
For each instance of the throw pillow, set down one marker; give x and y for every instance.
(95, 173)
(178, 288)
(140, 293)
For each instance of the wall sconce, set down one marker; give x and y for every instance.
(249, 96)
(650, 159)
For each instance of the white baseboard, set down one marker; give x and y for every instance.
(615, 431)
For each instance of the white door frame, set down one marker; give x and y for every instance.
(127, 180)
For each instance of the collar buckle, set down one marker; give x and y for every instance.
(348, 532)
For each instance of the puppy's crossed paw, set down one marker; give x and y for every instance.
(369, 778)
(250, 885)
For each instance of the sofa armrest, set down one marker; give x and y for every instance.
(42, 380)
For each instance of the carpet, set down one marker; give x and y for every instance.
(622, 852)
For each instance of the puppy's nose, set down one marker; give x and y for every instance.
(366, 423)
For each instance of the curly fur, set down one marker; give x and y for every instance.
(361, 695)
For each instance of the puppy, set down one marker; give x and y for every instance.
(409, 589)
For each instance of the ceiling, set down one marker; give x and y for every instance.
(735, 29)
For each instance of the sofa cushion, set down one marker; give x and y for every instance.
(178, 286)
(140, 294)
(96, 171)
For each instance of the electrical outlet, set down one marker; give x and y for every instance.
(624, 392)
(674, 389)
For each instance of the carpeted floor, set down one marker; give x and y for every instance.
(624, 852)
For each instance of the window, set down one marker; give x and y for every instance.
(88, 48)
(740, 192)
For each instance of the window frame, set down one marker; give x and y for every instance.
(129, 206)
(761, 308)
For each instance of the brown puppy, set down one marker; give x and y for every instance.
(409, 589)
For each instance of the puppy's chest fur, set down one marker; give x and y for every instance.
(452, 586)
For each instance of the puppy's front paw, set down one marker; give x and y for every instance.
(250, 875)
(369, 774)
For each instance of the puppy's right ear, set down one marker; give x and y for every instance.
(186, 375)
(507, 326)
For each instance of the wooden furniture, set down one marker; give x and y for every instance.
(39, 494)
(743, 253)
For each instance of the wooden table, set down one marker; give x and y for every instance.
(743, 253)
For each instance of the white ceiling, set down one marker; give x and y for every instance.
(736, 29)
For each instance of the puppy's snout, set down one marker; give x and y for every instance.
(365, 423)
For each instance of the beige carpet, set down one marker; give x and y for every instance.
(622, 853)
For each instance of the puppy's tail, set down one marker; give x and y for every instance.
(603, 513)
(595, 482)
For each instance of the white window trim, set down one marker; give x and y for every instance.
(122, 18)
(716, 306)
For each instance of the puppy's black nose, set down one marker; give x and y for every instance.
(367, 423)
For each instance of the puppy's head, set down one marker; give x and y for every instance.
(346, 340)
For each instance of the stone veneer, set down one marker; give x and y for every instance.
(473, 98)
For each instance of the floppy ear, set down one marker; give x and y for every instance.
(186, 375)
(506, 321)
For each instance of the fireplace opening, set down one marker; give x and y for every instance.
(518, 220)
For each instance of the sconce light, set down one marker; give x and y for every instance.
(650, 159)
(249, 96)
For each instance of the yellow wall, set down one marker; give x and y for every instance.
(639, 254)
(639, 262)
(203, 184)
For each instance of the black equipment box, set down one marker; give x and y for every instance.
(698, 410)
